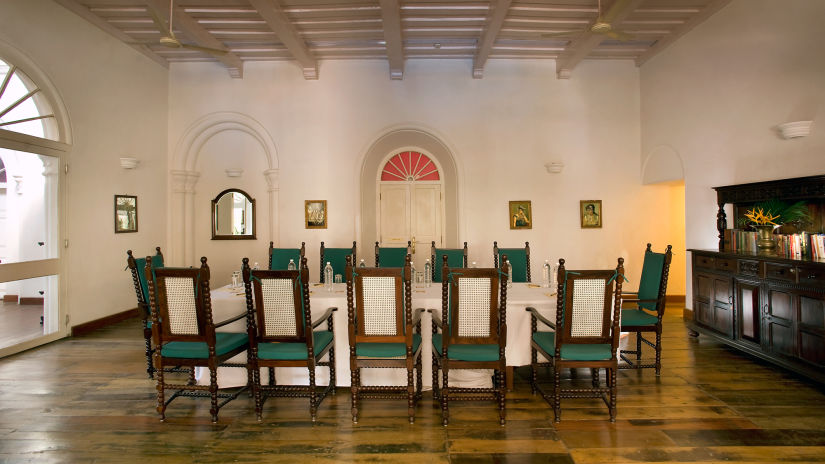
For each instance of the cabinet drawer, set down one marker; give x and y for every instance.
(704, 261)
(780, 272)
(811, 275)
(749, 268)
(726, 264)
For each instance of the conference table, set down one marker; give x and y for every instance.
(229, 302)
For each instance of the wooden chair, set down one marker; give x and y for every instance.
(456, 257)
(279, 257)
(179, 297)
(519, 259)
(586, 335)
(648, 308)
(136, 266)
(384, 332)
(279, 335)
(470, 333)
(337, 257)
(391, 256)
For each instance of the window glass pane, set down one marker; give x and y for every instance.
(23, 108)
(28, 207)
(28, 309)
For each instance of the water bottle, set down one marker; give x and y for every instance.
(291, 265)
(255, 267)
(473, 265)
(545, 274)
(362, 264)
(428, 273)
(328, 276)
(508, 268)
(412, 273)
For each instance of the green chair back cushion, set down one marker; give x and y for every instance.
(518, 259)
(288, 351)
(637, 317)
(480, 352)
(386, 350)
(224, 343)
(455, 258)
(157, 261)
(392, 257)
(650, 279)
(281, 257)
(337, 257)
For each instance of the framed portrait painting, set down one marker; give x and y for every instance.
(315, 212)
(126, 214)
(521, 215)
(591, 213)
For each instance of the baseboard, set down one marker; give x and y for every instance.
(31, 300)
(91, 326)
(675, 299)
(9, 298)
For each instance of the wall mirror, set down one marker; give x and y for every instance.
(233, 216)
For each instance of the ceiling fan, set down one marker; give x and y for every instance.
(168, 38)
(602, 25)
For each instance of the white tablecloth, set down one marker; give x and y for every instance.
(227, 303)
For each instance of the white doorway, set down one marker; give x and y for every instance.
(410, 192)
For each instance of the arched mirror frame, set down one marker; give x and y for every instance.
(215, 235)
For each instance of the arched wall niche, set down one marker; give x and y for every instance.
(408, 138)
(184, 177)
(662, 164)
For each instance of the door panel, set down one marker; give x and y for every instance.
(395, 215)
(426, 221)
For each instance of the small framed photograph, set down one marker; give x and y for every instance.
(316, 214)
(591, 213)
(126, 214)
(521, 215)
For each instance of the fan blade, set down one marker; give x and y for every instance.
(564, 35)
(212, 51)
(617, 7)
(621, 36)
(158, 22)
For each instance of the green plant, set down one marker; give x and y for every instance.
(777, 212)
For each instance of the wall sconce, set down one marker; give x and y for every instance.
(129, 163)
(234, 172)
(554, 167)
(792, 130)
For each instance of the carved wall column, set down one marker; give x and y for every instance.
(273, 183)
(183, 217)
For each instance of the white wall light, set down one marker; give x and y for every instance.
(554, 167)
(129, 163)
(794, 129)
(234, 172)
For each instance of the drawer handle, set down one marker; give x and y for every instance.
(792, 270)
(812, 276)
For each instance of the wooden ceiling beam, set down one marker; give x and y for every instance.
(274, 15)
(391, 17)
(584, 45)
(198, 33)
(694, 21)
(495, 19)
(102, 24)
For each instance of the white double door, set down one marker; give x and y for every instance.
(411, 211)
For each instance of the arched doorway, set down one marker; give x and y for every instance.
(411, 206)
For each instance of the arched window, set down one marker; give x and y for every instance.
(23, 108)
(410, 166)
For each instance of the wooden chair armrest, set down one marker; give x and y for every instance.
(637, 300)
(436, 319)
(231, 320)
(416, 316)
(326, 316)
(541, 318)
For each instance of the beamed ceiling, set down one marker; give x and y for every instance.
(309, 31)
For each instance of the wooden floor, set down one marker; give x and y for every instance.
(88, 399)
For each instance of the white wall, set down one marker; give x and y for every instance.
(502, 129)
(117, 104)
(716, 95)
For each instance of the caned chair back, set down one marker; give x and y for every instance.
(337, 257)
(588, 306)
(379, 304)
(391, 256)
(519, 259)
(180, 298)
(456, 257)
(136, 267)
(474, 303)
(279, 257)
(653, 282)
(281, 308)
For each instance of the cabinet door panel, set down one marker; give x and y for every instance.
(780, 304)
(812, 311)
(812, 348)
(704, 286)
(722, 320)
(721, 290)
(780, 338)
(748, 311)
(703, 315)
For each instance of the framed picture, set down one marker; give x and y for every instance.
(316, 214)
(126, 214)
(521, 215)
(591, 213)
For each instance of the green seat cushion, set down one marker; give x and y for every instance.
(224, 343)
(546, 340)
(281, 257)
(651, 278)
(337, 257)
(386, 350)
(636, 317)
(392, 257)
(294, 351)
(157, 261)
(455, 258)
(594, 352)
(480, 352)
(518, 259)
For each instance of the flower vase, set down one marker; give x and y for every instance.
(764, 237)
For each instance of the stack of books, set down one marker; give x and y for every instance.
(788, 245)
